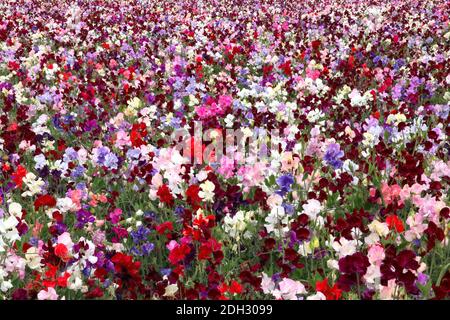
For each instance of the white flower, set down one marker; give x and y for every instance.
(318, 296)
(381, 228)
(371, 239)
(276, 220)
(134, 103)
(202, 175)
(345, 247)
(274, 200)
(8, 232)
(229, 120)
(6, 285)
(235, 226)
(7, 224)
(40, 161)
(65, 204)
(171, 289)
(75, 282)
(333, 264)
(65, 239)
(305, 248)
(314, 115)
(34, 185)
(289, 289)
(373, 272)
(349, 166)
(206, 192)
(33, 259)
(15, 209)
(356, 99)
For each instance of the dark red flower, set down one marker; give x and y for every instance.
(355, 263)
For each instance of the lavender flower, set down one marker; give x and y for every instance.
(111, 161)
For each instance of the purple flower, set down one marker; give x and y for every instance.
(133, 153)
(140, 235)
(70, 155)
(147, 248)
(285, 182)
(422, 279)
(78, 171)
(333, 155)
(102, 152)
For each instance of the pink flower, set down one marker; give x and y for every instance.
(203, 112)
(440, 169)
(390, 193)
(226, 167)
(225, 101)
(289, 289)
(313, 74)
(267, 284)
(172, 245)
(122, 139)
(75, 196)
(115, 215)
(376, 254)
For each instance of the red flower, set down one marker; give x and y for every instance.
(125, 267)
(94, 293)
(62, 252)
(13, 65)
(178, 253)
(192, 194)
(18, 176)
(394, 221)
(286, 67)
(161, 229)
(207, 248)
(138, 132)
(62, 281)
(164, 195)
(315, 44)
(235, 287)
(204, 252)
(44, 200)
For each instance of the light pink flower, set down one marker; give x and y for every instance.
(376, 254)
(289, 289)
(50, 294)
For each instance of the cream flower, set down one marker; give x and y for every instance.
(207, 191)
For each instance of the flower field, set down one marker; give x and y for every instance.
(235, 149)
